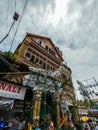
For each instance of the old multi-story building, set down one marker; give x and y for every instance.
(39, 50)
(41, 53)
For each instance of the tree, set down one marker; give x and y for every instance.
(11, 54)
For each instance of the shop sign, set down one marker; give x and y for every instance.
(12, 91)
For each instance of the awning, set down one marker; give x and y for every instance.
(6, 103)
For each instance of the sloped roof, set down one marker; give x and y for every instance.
(47, 38)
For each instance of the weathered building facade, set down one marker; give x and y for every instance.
(38, 50)
(41, 53)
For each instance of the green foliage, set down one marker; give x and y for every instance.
(11, 54)
(86, 103)
(16, 52)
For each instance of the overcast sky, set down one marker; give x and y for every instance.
(71, 25)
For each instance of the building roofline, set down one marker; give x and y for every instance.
(48, 39)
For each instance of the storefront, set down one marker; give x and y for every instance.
(11, 99)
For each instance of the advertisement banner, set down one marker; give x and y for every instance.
(12, 91)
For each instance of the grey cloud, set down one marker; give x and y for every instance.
(77, 38)
(42, 5)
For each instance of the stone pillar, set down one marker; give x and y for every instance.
(75, 113)
(36, 108)
(56, 100)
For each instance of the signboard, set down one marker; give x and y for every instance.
(64, 106)
(12, 91)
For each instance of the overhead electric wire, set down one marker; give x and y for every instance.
(5, 21)
(8, 64)
(15, 5)
(7, 17)
(11, 73)
(18, 24)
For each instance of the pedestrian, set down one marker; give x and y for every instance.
(96, 127)
(10, 123)
(15, 125)
(86, 126)
(50, 125)
(71, 124)
(20, 125)
(37, 127)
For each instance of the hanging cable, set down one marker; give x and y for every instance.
(18, 25)
(15, 5)
(15, 17)
(15, 73)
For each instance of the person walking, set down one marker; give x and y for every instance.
(86, 126)
(96, 127)
(51, 125)
(15, 125)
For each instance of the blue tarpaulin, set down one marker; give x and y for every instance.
(2, 124)
(94, 110)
